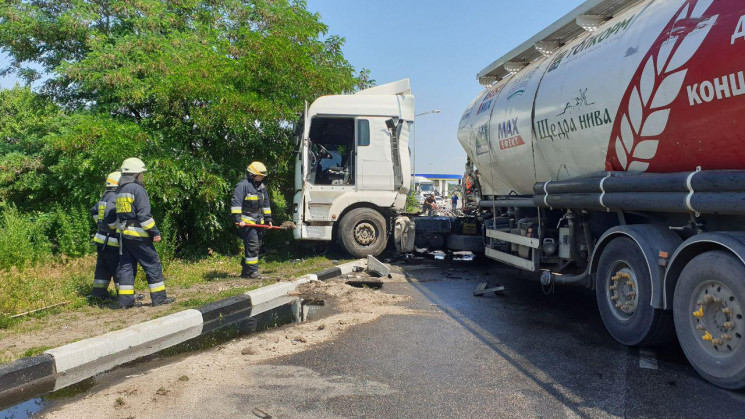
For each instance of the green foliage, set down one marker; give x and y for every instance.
(23, 241)
(412, 205)
(166, 248)
(72, 231)
(196, 88)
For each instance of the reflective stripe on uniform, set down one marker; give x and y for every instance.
(148, 224)
(236, 210)
(252, 261)
(126, 289)
(248, 220)
(100, 283)
(250, 197)
(95, 218)
(99, 238)
(157, 287)
(267, 210)
(135, 232)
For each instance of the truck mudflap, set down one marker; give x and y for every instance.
(651, 239)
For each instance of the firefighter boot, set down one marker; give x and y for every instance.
(159, 298)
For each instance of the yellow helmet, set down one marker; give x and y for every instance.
(112, 180)
(133, 165)
(257, 168)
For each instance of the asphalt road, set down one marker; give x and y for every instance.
(519, 354)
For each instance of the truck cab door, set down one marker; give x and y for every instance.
(374, 160)
(301, 174)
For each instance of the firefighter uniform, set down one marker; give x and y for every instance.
(104, 214)
(136, 229)
(250, 204)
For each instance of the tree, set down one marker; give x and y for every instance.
(197, 88)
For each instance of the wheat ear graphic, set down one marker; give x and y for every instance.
(661, 81)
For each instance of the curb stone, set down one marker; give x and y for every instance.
(60, 367)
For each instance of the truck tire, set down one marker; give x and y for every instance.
(708, 309)
(623, 289)
(362, 232)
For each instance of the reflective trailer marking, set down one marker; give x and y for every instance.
(647, 359)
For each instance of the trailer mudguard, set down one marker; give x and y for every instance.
(651, 239)
(733, 242)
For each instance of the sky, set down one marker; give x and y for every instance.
(440, 46)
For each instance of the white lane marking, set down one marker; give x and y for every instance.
(647, 359)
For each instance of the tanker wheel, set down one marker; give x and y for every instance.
(708, 309)
(362, 232)
(624, 291)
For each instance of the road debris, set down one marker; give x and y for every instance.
(481, 289)
(377, 268)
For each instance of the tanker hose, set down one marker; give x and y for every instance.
(549, 278)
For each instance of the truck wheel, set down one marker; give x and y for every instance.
(708, 310)
(624, 290)
(362, 232)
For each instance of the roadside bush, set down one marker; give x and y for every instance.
(167, 247)
(23, 241)
(73, 232)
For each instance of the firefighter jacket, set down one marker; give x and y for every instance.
(133, 219)
(104, 215)
(250, 203)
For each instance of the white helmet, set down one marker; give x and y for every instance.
(112, 180)
(133, 165)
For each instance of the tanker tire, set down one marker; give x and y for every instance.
(363, 219)
(712, 269)
(647, 326)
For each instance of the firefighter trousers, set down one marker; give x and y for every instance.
(251, 245)
(106, 270)
(142, 252)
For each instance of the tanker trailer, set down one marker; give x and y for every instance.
(610, 150)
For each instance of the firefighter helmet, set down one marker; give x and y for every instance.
(133, 165)
(112, 180)
(257, 168)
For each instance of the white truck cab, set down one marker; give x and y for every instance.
(352, 172)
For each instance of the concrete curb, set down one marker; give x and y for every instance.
(60, 367)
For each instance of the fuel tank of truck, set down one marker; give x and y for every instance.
(658, 88)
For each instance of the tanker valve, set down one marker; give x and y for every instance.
(699, 313)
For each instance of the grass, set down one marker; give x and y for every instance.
(193, 283)
(36, 350)
(71, 281)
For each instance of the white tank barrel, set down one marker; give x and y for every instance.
(658, 88)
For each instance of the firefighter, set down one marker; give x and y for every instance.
(250, 206)
(104, 215)
(137, 233)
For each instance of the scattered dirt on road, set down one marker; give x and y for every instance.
(164, 391)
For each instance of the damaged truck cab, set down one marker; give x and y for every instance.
(352, 170)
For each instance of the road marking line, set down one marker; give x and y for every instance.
(647, 359)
